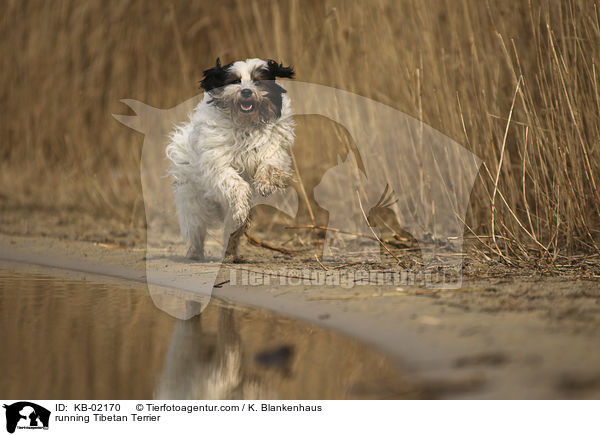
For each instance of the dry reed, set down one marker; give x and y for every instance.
(455, 64)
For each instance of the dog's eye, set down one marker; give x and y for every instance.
(236, 82)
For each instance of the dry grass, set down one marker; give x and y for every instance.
(517, 84)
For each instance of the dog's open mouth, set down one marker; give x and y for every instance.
(246, 107)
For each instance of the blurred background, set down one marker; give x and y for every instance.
(465, 67)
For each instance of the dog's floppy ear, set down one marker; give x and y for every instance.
(275, 90)
(278, 70)
(214, 77)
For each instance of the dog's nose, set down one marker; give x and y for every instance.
(246, 92)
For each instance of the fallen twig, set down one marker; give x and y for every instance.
(319, 262)
(332, 229)
(268, 246)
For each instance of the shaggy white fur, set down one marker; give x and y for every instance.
(225, 153)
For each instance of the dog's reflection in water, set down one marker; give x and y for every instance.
(208, 365)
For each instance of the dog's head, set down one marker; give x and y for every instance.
(247, 89)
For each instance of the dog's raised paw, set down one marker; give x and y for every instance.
(265, 191)
(268, 179)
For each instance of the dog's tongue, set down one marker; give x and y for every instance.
(246, 106)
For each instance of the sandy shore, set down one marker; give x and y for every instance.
(493, 338)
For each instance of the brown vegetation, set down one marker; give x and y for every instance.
(516, 83)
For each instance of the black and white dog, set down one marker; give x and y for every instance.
(236, 143)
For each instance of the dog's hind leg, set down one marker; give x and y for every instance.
(196, 250)
(192, 220)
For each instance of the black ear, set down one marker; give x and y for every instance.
(278, 70)
(274, 92)
(214, 77)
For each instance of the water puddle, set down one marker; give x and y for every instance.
(72, 338)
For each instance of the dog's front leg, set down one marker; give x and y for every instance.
(273, 173)
(231, 239)
(239, 201)
(236, 192)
